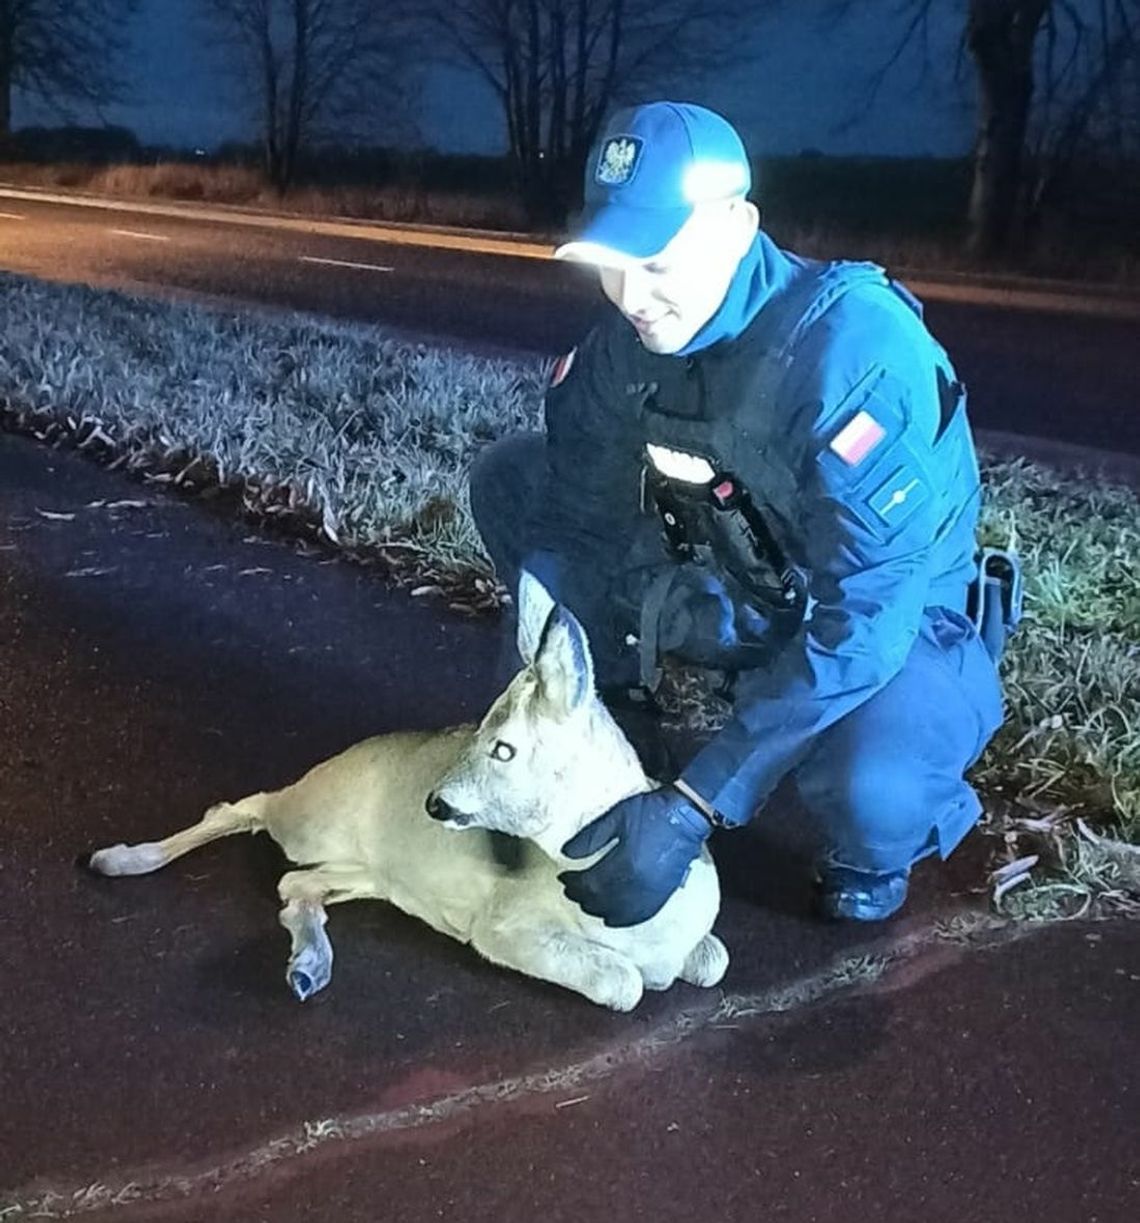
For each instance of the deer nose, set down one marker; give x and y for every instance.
(438, 808)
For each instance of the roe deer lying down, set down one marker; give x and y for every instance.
(378, 821)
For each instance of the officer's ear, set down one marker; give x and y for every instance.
(746, 220)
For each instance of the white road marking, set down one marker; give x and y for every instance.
(1055, 297)
(12, 216)
(440, 237)
(134, 233)
(346, 263)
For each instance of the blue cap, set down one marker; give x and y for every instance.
(650, 168)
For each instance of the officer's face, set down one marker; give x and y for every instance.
(669, 297)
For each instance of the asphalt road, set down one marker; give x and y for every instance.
(156, 657)
(1068, 377)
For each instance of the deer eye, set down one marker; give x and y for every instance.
(502, 751)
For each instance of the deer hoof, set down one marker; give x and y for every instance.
(308, 973)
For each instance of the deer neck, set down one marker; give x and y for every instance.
(615, 774)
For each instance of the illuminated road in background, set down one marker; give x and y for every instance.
(1039, 364)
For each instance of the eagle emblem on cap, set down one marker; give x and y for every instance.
(618, 160)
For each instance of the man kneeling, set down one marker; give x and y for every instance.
(759, 463)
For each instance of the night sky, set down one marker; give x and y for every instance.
(804, 86)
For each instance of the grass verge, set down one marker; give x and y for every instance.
(364, 442)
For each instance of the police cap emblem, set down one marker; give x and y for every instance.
(618, 160)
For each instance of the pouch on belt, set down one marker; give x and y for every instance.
(995, 599)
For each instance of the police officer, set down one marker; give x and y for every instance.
(760, 463)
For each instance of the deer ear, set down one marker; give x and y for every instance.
(563, 664)
(534, 606)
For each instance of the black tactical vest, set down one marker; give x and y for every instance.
(720, 405)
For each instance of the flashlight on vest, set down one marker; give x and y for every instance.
(700, 505)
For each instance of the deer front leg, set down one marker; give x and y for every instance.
(564, 957)
(305, 894)
(311, 954)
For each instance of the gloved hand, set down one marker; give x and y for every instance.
(658, 835)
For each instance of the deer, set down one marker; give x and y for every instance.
(410, 818)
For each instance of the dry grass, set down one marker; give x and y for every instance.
(366, 442)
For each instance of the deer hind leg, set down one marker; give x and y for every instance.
(305, 894)
(221, 820)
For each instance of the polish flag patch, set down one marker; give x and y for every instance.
(857, 438)
(562, 368)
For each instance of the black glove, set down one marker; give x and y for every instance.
(658, 836)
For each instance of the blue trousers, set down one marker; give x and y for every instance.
(884, 784)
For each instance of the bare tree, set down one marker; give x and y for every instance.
(1001, 36)
(557, 67)
(1089, 103)
(315, 69)
(1049, 75)
(62, 52)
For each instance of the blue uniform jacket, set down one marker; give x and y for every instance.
(841, 414)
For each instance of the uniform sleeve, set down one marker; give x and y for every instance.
(587, 517)
(870, 515)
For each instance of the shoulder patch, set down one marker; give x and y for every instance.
(562, 368)
(857, 438)
(903, 492)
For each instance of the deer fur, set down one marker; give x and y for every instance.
(545, 761)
